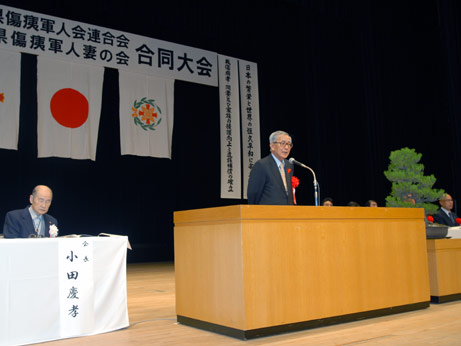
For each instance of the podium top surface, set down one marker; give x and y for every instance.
(271, 212)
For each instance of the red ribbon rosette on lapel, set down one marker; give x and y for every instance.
(294, 185)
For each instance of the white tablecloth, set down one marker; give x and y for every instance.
(59, 288)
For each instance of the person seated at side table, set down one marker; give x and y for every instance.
(445, 216)
(327, 202)
(33, 221)
(353, 204)
(371, 203)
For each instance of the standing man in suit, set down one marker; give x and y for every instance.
(270, 178)
(445, 216)
(33, 221)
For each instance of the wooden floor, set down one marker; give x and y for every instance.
(151, 306)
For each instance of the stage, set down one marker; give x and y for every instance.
(151, 307)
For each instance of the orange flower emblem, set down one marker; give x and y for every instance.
(147, 114)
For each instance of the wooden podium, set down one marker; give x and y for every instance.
(248, 271)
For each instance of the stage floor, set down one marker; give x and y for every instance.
(151, 307)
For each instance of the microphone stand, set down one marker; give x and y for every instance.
(316, 192)
(316, 187)
(316, 184)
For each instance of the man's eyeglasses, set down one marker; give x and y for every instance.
(285, 144)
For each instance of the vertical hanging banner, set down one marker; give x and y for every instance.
(231, 185)
(76, 286)
(10, 76)
(69, 108)
(249, 96)
(146, 115)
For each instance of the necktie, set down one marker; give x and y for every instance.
(452, 218)
(37, 224)
(282, 173)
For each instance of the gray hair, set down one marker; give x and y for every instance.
(275, 135)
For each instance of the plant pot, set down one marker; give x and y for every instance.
(436, 231)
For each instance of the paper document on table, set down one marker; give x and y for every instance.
(454, 232)
(128, 245)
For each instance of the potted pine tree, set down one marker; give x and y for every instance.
(412, 189)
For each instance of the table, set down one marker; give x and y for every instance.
(54, 288)
(444, 258)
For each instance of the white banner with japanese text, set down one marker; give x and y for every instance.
(249, 101)
(76, 286)
(231, 185)
(39, 34)
(10, 79)
(67, 285)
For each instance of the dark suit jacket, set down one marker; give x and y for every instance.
(442, 218)
(265, 185)
(19, 224)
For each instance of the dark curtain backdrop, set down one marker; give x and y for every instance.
(350, 80)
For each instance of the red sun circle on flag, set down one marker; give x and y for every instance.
(69, 108)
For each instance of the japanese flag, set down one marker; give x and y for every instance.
(10, 76)
(69, 108)
(146, 115)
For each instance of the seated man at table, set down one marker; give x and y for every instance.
(445, 216)
(33, 221)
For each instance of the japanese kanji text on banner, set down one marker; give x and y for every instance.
(249, 96)
(231, 172)
(39, 34)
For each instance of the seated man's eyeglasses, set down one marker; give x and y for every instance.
(284, 144)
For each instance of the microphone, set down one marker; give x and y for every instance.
(293, 161)
(316, 184)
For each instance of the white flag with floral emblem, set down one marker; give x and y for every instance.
(10, 76)
(146, 115)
